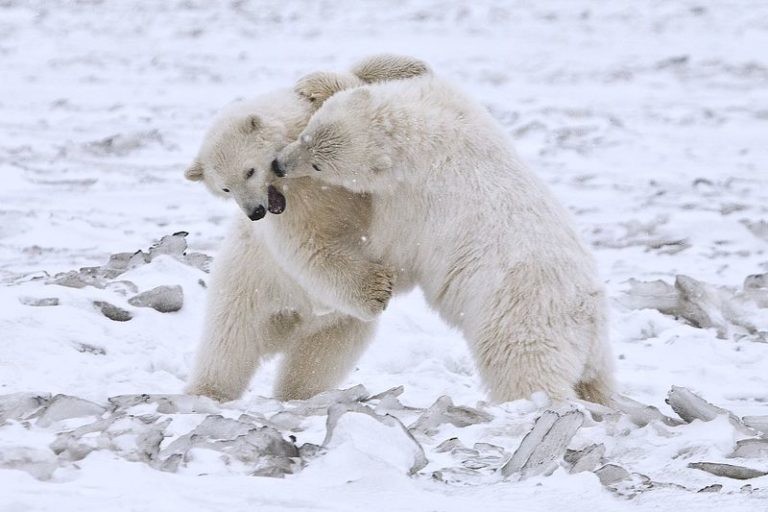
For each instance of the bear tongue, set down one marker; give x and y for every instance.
(276, 201)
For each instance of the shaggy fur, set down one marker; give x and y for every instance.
(301, 283)
(494, 252)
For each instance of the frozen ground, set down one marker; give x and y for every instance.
(648, 119)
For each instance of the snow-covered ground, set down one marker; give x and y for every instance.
(649, 119)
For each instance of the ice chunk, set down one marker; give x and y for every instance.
(544, 445)
(20, 406)
(39, 302)
(728, 470)
(165, 299)
(759, 423)
(611, 474)
(641, 414)
(587, 459)
(690, 406)
(751, 449)
(443, 411)
(62, 407)
(382, 437)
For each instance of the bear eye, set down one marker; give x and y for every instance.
(315, 167)
(225, 190)
(249, 173)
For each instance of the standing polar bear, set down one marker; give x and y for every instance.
(494, 252)
(300, 282)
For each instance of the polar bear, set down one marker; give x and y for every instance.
(494, 252)
(298, 282)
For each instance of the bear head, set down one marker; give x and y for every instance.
(235, 161)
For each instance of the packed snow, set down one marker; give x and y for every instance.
(648, 119)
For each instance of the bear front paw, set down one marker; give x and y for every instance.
(377, 290)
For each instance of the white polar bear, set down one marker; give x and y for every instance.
(298, 283)
(494, 252)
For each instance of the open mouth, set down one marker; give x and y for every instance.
(276, 201)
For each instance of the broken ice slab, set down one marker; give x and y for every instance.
(382, 436)
(641, 414)
(443, 411)
(759, 423)
(113, 312)
(391, 392)
(63, 407)
(728, 470)
(585, 460)
(544, 445)
(611, 474)
(219, 427)
(690, 406)
(751, 449)
(168, 404)
(320, 403)
(20, 406)
(165, 299)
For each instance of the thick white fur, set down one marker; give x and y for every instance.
(492, 249)
(301, 283)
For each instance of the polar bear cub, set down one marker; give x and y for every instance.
(494, 252)
(298, 282)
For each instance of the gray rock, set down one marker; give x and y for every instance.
(113, 312)
(165, 299)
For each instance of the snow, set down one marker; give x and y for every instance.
(647, 119)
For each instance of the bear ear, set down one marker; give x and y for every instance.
(318, 87)
(251, 123)
(194, 172)
(385, 67)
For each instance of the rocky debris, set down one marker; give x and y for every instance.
(165, 299)
(113, 312)
(728, 470)
(729, 311)
(542, 448)
(39, 302)
(443, 411)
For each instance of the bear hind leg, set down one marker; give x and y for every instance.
(321, 356)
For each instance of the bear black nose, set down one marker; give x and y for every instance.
(257, 213)
(278, 169)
